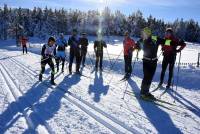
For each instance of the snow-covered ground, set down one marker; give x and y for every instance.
(96, 103)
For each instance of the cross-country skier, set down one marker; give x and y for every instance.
(24, 41)
(73, 42)
(48, 52)
(150, 45)
(169, 54)
(129, 46)
(61, 43)
(99, 44)
(84, 44)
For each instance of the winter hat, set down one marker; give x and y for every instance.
(147, 31)
(126, 33)
(51, 39)
(169, 30)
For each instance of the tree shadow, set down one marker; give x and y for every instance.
(158, 118)
(98, 88)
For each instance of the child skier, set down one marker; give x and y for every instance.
(48, 52)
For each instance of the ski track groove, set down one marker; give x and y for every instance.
(13, 89)
(76, 100)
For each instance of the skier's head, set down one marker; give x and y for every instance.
(61, 35)
(126, 34)
(168, 33)
(146, 33)
(51, 41)
(74, 32)
(99, 35)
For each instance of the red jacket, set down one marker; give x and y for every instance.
(129, 45)
(23, 40)
(170, 46)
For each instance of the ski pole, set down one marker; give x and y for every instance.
(135, 60)
(113, 66)
(90, 59)
(108, 56)
(177, 76)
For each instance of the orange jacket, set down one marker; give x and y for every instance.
(23, 41)
(129, 45)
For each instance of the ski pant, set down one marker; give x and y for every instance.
(58, 59)
(24, 48)
(51, 65)
(83, 56)
(99, 60)
(75, 54)
(167, 60)
(149, 68)
(128, 64)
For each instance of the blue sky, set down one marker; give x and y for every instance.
(168, 10)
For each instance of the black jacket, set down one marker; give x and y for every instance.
(150, 46)
(84, 43)
(98, 46)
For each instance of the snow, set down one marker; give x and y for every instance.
(94, 104)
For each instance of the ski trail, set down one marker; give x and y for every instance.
(102, 117)
(17, 93)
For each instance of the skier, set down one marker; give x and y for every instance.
(169, 54)
(24, 41)
(84, 44)
(73, 42)
(61, 43)
(150, 45)
(99, 44)
(48, 52)
(129, 46)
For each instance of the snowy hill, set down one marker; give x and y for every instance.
(96, 102)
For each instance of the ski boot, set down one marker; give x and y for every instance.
(147, 97)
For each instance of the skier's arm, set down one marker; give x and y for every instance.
(95, 45)
(54, 51)
(139, 44)
(104, 44)
(69, 41)
(87, 42)
(43, 50)
(182, 45)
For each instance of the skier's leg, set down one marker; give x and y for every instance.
(83, 58)
(78, 60)
(26, 49)
(43, 64)
(164, 67)
(57, 63)
(23, 49)
(171, 68)
(126, 64)
(97, 61)
(130, 65)
(101, 61)
(71, 61)
(63, 64)
(145, 81)
(51, 64)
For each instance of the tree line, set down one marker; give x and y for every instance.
(41, 23)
